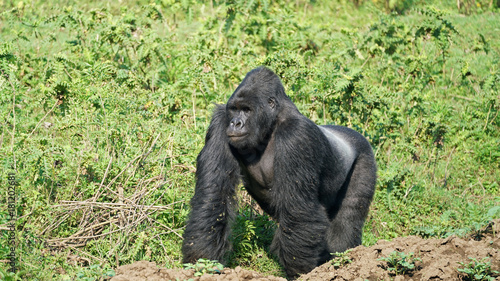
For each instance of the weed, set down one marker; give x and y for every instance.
(341, 259)
(252, 235)
(204, 266)
(93, 273)
(400, 263)
(477, 270)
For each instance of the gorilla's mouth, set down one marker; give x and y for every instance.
(234, 137)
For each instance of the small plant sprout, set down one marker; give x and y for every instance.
(341, 259)
(204, 266)
(477, 270)
(400, 263)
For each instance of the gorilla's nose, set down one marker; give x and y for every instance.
(237, 123)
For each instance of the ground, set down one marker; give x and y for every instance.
(439, 260)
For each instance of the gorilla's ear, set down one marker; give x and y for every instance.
(272, 102)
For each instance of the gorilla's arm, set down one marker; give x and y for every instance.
(213, 205)
(299, 240)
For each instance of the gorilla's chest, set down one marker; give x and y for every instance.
(258, 173)
(261, 172)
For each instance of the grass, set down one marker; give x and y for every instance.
(105, 108)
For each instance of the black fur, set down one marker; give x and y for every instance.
(316, 182)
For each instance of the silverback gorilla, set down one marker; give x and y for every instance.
(316, 182)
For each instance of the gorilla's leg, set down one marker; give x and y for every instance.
(352, 205)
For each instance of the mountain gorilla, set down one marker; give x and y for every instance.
(316, 182)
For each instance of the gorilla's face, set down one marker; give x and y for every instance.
(251, 116)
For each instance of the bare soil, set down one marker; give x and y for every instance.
(439, 261)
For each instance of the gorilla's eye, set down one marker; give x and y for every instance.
(271, 102)
(246, 109)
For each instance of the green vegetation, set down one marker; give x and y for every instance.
(105, 107)
(204, 266)
(341, 259)
(92, 273)
(400, 263)
(252, 235)
(477, 270)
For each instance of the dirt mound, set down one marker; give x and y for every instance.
(144, 270)
(439, 260)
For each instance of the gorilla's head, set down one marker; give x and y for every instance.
(253, 108)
